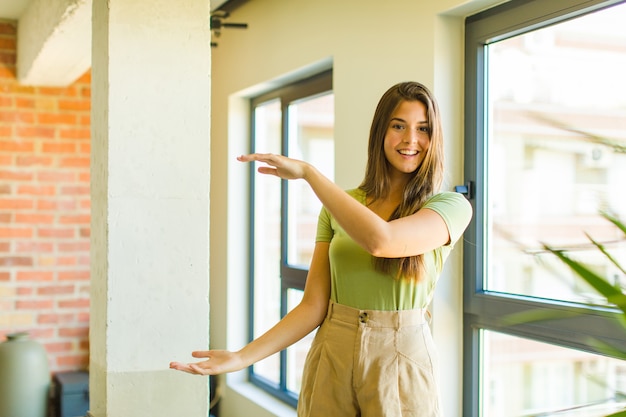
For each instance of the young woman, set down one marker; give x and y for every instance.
(379, 251)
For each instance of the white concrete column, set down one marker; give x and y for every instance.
(150, 206)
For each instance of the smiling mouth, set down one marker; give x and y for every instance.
(407, 152)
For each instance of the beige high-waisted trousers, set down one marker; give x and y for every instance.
(369, 363)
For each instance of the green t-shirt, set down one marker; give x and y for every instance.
(355, 282)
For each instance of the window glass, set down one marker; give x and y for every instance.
(556, 154)
(267, 132)
(523, 377)
(545, 157)
(295, 120)
(311, 138)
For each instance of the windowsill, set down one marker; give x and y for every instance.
(259, 398)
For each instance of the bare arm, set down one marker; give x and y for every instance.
(407, 236)
(299, 322)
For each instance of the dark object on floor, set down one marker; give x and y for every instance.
(70, 394)
(214, 398)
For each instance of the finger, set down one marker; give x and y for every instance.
(253, 157)
(181, 367)
(268, 158)
(198, 370)
(248, 157)
(268, 170)
(201, 353)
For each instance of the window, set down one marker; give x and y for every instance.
(296, 120)
(545, 151)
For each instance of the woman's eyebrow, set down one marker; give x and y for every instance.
(399, 119)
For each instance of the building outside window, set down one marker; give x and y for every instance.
(296, 120)
(546, 151)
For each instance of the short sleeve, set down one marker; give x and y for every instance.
(324, 229)
(455, 210)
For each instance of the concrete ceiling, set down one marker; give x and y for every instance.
(53, 40)
(13, 9)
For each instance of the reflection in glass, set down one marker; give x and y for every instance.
(556, 154)
(522, 377)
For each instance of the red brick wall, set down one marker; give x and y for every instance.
(44, 211)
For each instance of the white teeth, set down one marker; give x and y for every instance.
(407, 152)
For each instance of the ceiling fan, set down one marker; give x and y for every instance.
(217, 24)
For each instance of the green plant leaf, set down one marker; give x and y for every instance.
(531, 316)
(621, 226)
(612, 293)
(602, 249)
(615, 145)
(608, 349)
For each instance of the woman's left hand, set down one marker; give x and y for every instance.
(279, 165)
(217, 362)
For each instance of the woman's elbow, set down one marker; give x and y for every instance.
(315, 310)
(379, 247)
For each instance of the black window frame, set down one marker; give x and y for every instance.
(483, 310)
(291, 277)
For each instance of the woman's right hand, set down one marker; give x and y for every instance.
(217, 362)
(278, 165)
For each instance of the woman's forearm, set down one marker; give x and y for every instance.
(367, 229)
(299, 322)
(363, 225)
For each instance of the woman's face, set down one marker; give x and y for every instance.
(408, 137)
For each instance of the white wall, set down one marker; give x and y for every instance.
(370, 45)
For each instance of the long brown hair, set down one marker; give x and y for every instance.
(425, 181)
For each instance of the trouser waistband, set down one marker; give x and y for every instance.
(377, 318)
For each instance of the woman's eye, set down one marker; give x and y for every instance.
(397, 126)
(424, 129)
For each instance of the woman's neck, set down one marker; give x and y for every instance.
(385, 206)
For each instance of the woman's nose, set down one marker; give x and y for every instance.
(411, 136)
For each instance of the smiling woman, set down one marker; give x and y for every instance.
(379, 251)
(407, 138)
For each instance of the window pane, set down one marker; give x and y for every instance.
(311, 123)
(522, 377)
(296, 354)
(556, 154)
(267, 127)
